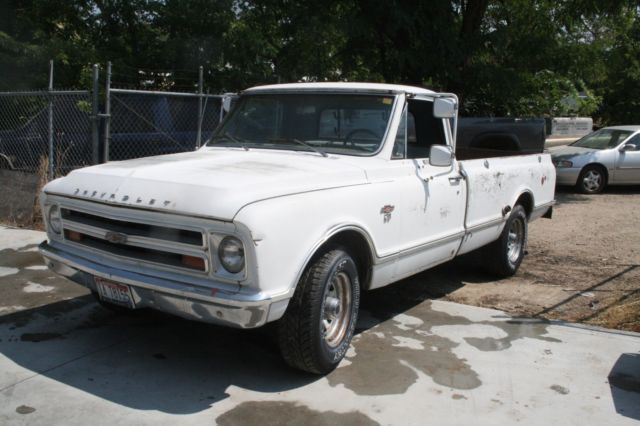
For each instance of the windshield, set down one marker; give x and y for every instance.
(324, 123)
(603, 139)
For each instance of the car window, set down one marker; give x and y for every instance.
(334, 123)
(634, 141)
(423, 129)
(603, 139)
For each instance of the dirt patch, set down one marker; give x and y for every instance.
(20, 205)
(583, 265)
(19, 197)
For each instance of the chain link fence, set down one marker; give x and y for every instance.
(155, 123)
(56, 131)
(35, 126)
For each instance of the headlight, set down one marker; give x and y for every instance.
(563, 164)
(231, 254)
(54, 219)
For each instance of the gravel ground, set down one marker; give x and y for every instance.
(582, 266)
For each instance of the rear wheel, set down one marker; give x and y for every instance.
(505, 255)
(592, 180)
(317, 328)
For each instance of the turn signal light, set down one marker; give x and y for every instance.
(193, 262)
(73, 235)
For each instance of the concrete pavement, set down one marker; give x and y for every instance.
(66, 360)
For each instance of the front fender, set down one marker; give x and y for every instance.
(287, 231)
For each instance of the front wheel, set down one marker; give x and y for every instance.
(315, 332)
(592, 180)
(505, 255)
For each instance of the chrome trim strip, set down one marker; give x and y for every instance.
(422, 247)
(486, 225)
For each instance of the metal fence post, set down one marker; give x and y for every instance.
(107, 113)
(200, 112)
(50, 130)
(95, 120)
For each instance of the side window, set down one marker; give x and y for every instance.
(634, 141)
(423, 129)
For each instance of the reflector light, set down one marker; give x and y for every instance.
(72, 235)
(193, 262)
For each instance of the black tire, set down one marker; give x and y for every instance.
(315, 332)
(504, 256)
(592, 180)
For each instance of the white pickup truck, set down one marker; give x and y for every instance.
(307, 195)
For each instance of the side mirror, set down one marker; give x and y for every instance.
(628, 147)
(444, 108)
(226, 103)
(441, 156)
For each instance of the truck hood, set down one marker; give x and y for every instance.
(211, 182)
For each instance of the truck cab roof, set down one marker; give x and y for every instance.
(339, 87)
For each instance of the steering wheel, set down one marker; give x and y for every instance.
(361, 130)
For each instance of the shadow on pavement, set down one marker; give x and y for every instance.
(624, 381)
(144, 360)
(147, 360)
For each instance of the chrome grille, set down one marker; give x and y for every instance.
(168, 246)
(135, 229)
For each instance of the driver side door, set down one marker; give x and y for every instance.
(434, 200)
(627, 168)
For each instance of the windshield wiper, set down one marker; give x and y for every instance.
(311, 147)
(233, 139)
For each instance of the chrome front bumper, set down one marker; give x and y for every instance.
(239, 309)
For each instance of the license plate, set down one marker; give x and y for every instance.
(113, 292)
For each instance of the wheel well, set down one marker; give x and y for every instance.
(526, 201)
(358, 247)
(601, 167)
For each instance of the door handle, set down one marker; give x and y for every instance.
(455, 179)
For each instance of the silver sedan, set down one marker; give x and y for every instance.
(609, 156)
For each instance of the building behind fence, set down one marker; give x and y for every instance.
(61, 130)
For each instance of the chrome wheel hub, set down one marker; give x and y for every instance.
(515, 240)
(336, 309)
(592, 180)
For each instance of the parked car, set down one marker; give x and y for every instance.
(306, 195)
(609, 156)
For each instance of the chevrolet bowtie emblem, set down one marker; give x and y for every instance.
(115, 237)
(386, 212)
(387, 209)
